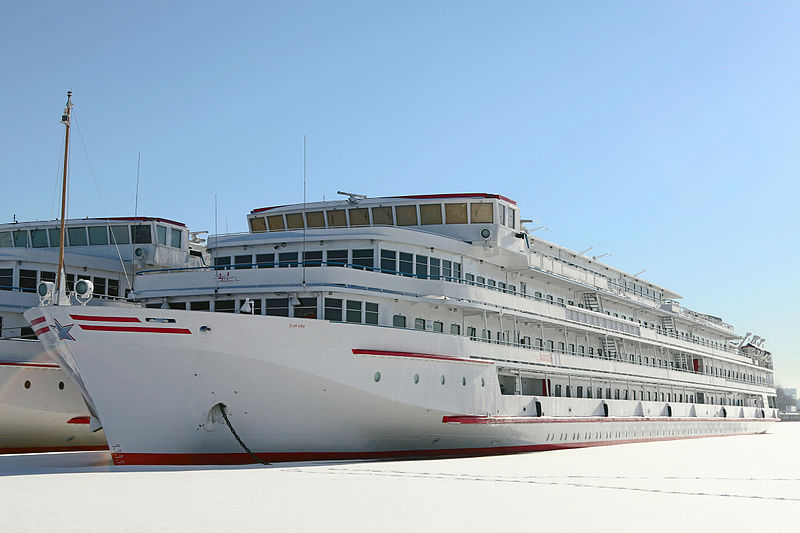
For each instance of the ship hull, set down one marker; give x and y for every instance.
(296, 389)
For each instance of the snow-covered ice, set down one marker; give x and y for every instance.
(746, 483)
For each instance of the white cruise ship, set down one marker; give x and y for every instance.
(40, 408)
(408, 326)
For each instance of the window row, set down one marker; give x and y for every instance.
(91, 236)
(29, 280)
(399, 215)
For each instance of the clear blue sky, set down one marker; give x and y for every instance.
(665, 133)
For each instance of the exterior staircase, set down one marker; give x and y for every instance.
(592, 301)
(668, 325)
(610, 348)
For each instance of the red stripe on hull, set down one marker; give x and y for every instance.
(34, 365)
(79, 420)
(46, 449)
(414, 355)
(38, 320)
(470, 419)
(93, 318)
(135, 329)
(291, 457)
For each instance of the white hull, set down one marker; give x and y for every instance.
(40, 409)
(306, 390)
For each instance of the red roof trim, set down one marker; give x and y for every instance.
(420, 197)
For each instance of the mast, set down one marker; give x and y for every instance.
(60, 278)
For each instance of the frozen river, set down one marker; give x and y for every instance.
(747, 483)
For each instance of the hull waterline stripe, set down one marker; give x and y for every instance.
(135, 329)
(41, 330)
(469, 419)
(283, 457)
(414, 355)
(34, 365)
(38, 320)
(92, 318)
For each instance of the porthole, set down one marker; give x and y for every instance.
(377, 377)
(442, 379)
(27, 384)
(464, 381)
(416, 378)
(60, 385)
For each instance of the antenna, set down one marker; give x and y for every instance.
(304, 211)
(136, 205)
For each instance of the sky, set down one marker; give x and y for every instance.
(663, 133)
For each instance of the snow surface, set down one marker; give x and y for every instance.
(746, 483)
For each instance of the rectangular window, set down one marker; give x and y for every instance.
(98, 235)
(447, 269)
(422, 266)
(481, 213)
(472, 333)
(278, 306)
(99, 285)
(21, 238)
(222, 263)
(389, 261)
(455, 329)
(502, 214)
(333, 309)
(382, 216)
(39, 238)
(312, 259)
(337, 257)
(337, 218)
(294, 221)
(616, 394)
(119, 235)
(276, 223)
(243, 261)
(306, 309)
(6, 241)
(225, 306)
(588, 392)
(370, 313)
(469, 278)
(492, 284)
(430, 214)
(113, 289)
(608, 394)
(265, 260)
(353, 311)
(6, 279)
(579, 392)
(287, 259)
(480, 281)
(512, 218)
(27, 280)
(406, 215)
(406, 264)
(569, 391)
(258, 225)
(419, 323)
(558, 390)
(175, 238)
(359, 217)
(599, 393)
(501, 286)
(141, 234)
(200, 306)
(435, 268)
(438, 327)
(161, 234)
(561, 347)
(315, 219)
(363, 259)
(399, 321)
(45, 275)
(77, 236)
(177, 305)
(455, 213)
(457, 270)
